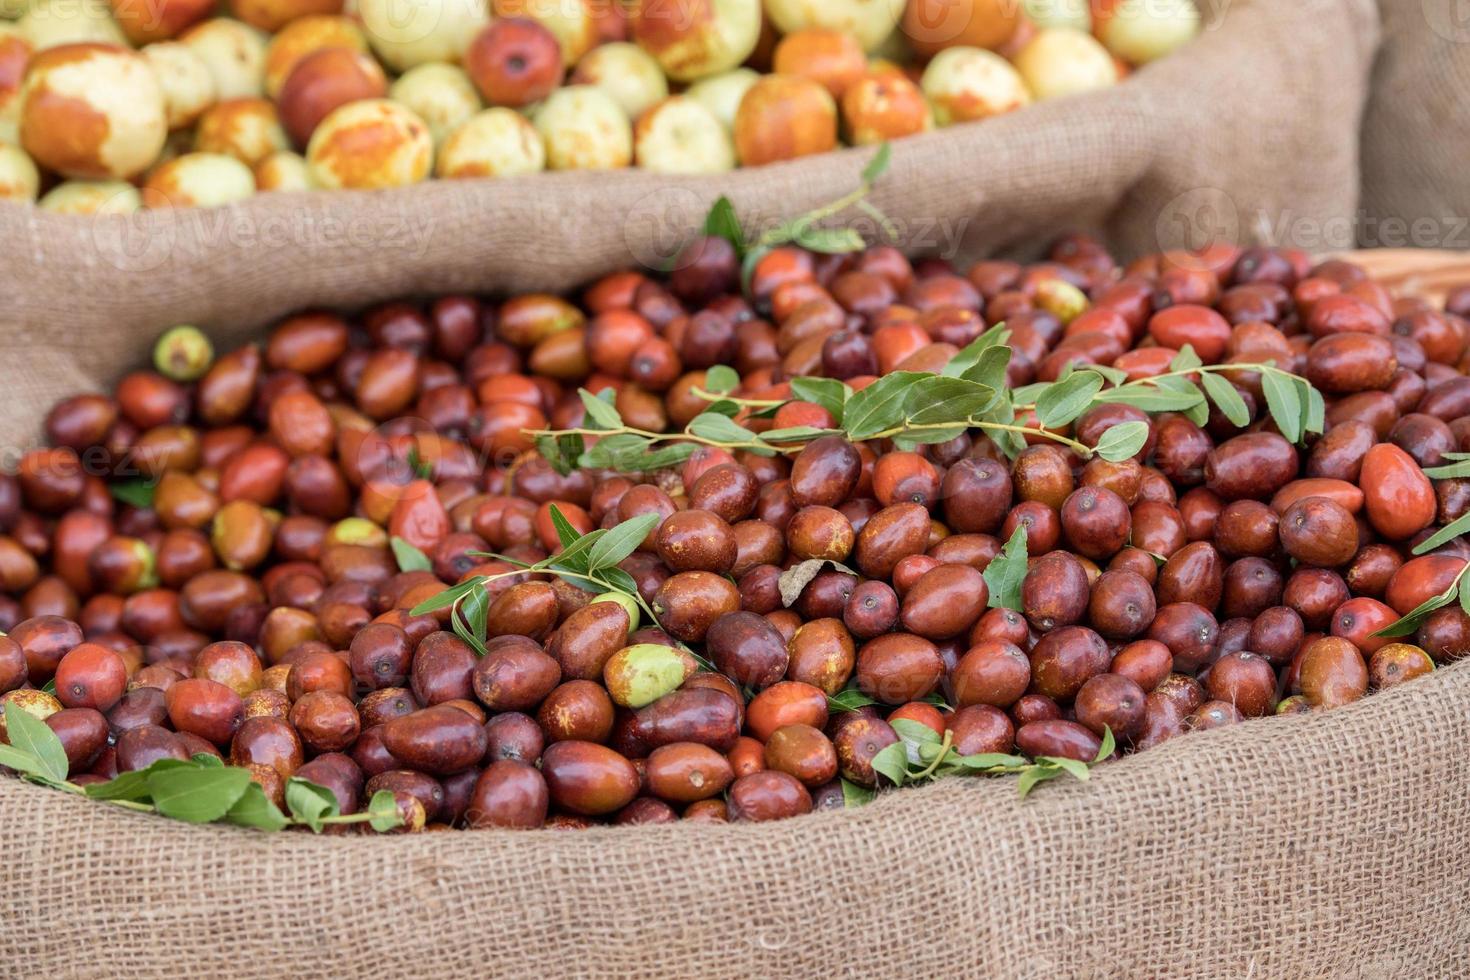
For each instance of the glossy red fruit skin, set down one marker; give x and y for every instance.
(1397, 496)
(90, 676)
(508, 794)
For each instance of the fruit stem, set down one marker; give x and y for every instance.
(944, 748)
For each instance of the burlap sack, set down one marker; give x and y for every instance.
(1416, 129)
(1251, 127)
(1330, 845)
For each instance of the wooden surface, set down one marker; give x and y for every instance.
(1430, 273)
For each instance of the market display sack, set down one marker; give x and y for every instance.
(1253, 124)
(1416, 130)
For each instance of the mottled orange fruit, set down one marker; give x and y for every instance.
(198, 180)
(783, 117)
(884, 106)
(247, 129)
(695, 38)
(92, 110)
(370, 144)
(831, 58)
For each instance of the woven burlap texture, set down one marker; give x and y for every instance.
(1256, 120)
(1330, 845)
(1416, 129)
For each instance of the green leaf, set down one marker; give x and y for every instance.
(133, 786)
(562, 451)
(826, 392)
(1122, 441)
(848, 699)
(989, 760)
(892, 763)
(1064, 400)
(620, 541)
(990, 370)
(567, 534)
(1453, 471)
(614, 451)
(796, 433)
(1285, 404)
(831, 241)
(417, 466)
(1034, 775)
(474, 608)
(721, 222)
(49, 687)
(137, 492)
(1077, 770)
(969, 355)
(1186, 359)
(573, 557)
(309, 803)
(383, 811)
(619, 580)
(207, 761)
(945, 400)
(1316, 410)
(448, 597)
(1027, 394)
(1444, 535)
(254, 809)
(914, 438)
(879, 406)
(409, 558)
(1152, 398)
(1006, 571)
(878, 165)
(1110, 374)
(196, 794)
(32, 737)
(721, 379)
(1108, 745)
(718, 428)
(916, 732)
(854, 795)
(1224, 395)
(752, 258)
(1465, 600)
(600, 412)
(460, 624)
(673, 454)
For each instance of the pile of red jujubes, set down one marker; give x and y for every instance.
(245, 597)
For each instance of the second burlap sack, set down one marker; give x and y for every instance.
(1416, 130)
(1249, 133)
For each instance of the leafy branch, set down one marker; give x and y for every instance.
(920, 755)
(588, 561)
(806, 230)
(1189, 387)
(915, 408)
(200, 790)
